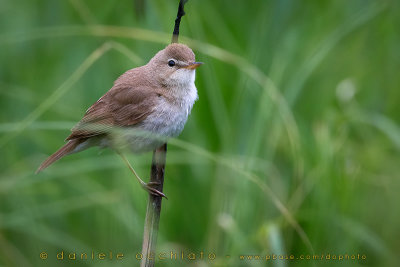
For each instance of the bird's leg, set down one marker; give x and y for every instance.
(146, 186)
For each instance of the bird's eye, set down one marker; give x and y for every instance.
(171, 63)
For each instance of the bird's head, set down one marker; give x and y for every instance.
(174, 65)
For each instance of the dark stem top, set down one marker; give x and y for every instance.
(181, 13)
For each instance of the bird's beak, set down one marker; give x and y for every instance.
(193, 65)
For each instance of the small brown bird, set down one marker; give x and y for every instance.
(151, 103)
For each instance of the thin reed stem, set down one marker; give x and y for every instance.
(157, 180)
(153, 208)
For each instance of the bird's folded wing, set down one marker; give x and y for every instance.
(119, 107)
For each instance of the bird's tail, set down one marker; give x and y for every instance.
(63, 151)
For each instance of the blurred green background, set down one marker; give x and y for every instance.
(292, 148)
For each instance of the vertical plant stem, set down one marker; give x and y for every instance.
(153, 208)
(157, 179)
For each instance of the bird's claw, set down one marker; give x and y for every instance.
(151, 190)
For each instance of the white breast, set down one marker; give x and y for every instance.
(168, 118)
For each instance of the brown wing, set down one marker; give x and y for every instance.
(119, 107)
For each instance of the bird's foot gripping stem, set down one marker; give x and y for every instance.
(150, 186)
